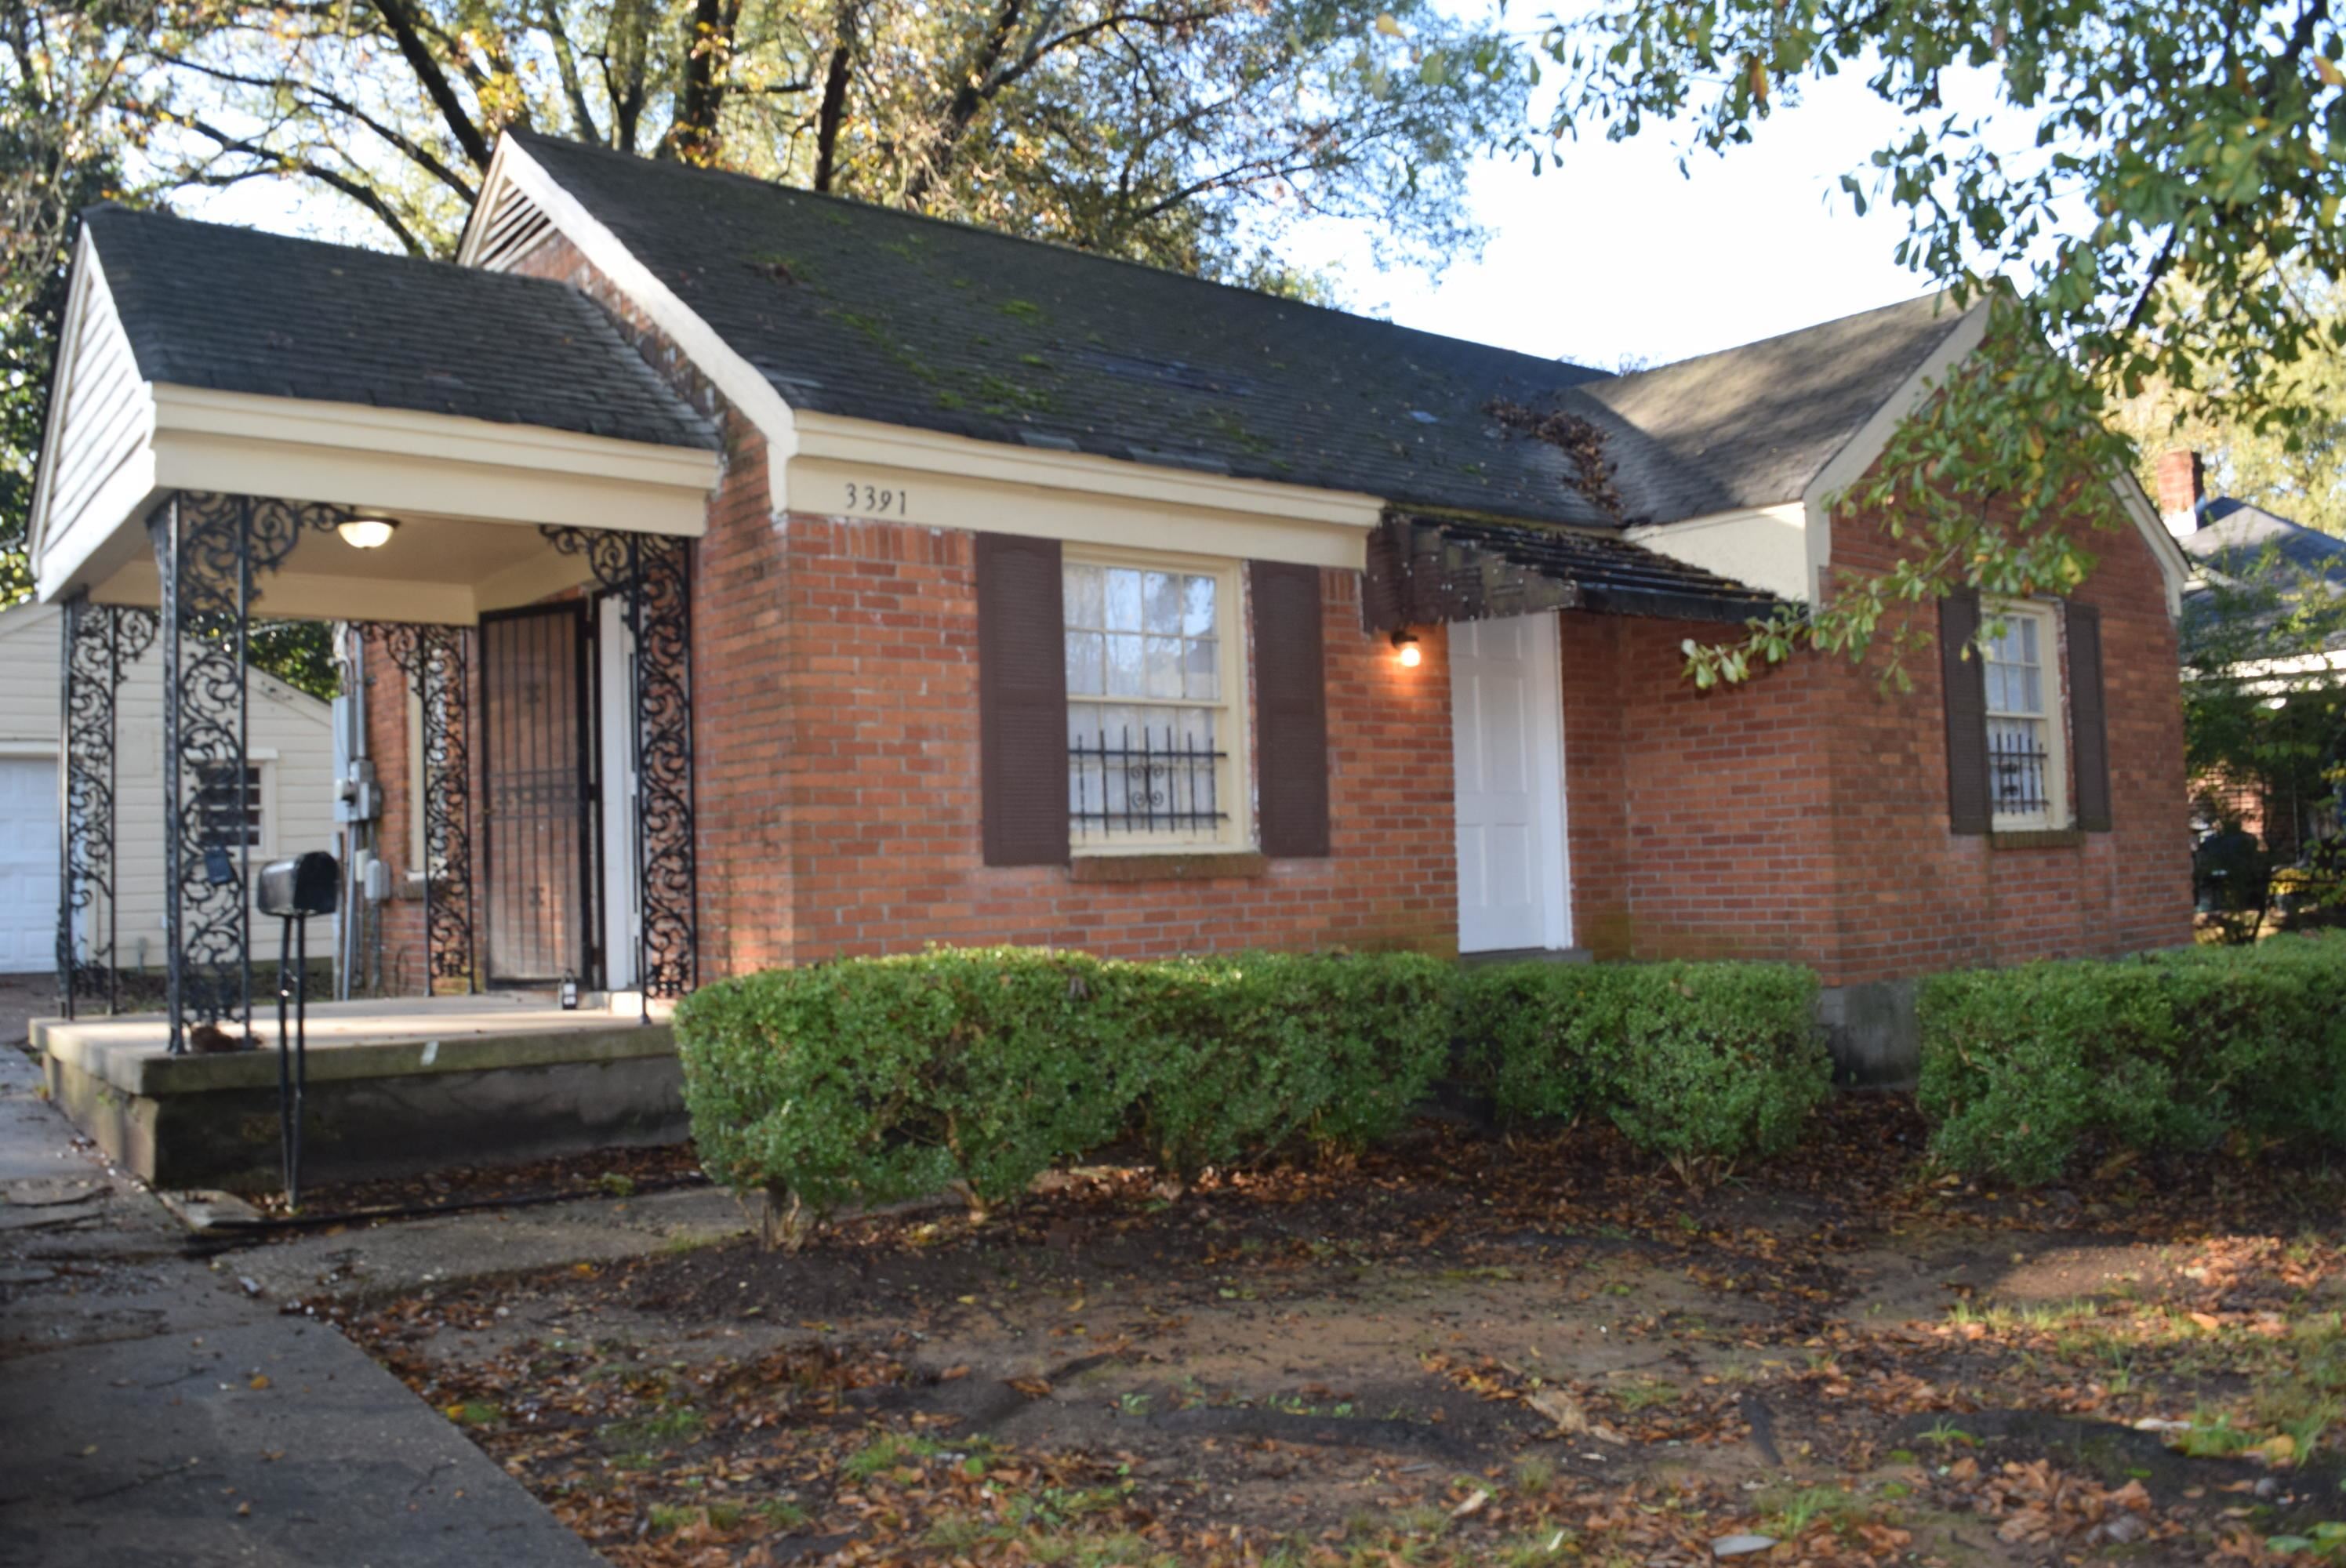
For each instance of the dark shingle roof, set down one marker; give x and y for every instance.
(872, 313)
(1758, 422)
(2234, 535)
(233, 309)
(1608, 575)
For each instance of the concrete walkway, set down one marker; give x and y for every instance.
(154, 1410)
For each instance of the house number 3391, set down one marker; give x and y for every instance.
(878, 500)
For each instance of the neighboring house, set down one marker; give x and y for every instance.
(2228, 539)
(279, 802)
(1045, 598)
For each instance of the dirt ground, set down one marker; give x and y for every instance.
(1463, 1349)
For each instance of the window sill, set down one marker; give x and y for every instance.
(2037, 839)
(1163, 868)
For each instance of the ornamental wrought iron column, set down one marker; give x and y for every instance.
(432, 659)
(654, 574)
(101, 642)
(208, 549)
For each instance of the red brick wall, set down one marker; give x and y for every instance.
(835, 734)
(1804, 816)
(877, 649)
(387, 741)
(1696, 818)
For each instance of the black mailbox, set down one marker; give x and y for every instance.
(307, 884)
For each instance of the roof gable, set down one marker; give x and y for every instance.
(1763, 419)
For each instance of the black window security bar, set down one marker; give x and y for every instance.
(1167, 784)
(2016, 768)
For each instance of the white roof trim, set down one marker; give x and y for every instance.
(2174, 566)
(742, 383)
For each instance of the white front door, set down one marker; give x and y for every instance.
(28, 865)
(1507, 716)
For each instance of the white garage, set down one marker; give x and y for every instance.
(28, 859)
(287, 798)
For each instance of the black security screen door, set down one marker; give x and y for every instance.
(536, 786)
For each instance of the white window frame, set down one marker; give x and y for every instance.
(1234, 777)
(2054, 688)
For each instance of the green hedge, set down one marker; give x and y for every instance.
(1703, 1064)
(2027, 1070)
(873, 1079)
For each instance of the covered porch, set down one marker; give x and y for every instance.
(492, 496)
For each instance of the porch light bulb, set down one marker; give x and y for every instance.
(366, 533)
(1405, 648)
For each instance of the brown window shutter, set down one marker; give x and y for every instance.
(1961, 673)
(2089, 739)
(1022, 701)
(1292, 698)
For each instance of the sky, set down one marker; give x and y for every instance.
(1609, 254)
(1614, 253)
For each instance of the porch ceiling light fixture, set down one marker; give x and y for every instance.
(1405, 649)
(367, 532)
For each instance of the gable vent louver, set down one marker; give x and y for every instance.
(514, 229)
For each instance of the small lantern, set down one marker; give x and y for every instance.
(1405, 649)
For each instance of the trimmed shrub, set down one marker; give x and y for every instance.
(2024, 1069)
(1249, 1054)
(1717, 1061)
(1543, 1040)
(875, 1080)
(1702, 1063)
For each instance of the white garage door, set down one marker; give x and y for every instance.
(28, 865)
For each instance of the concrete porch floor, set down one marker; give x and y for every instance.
(396, 1086)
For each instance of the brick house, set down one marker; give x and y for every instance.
(2229, 540)
(1038, 597)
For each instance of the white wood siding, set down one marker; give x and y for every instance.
(289, 733)
(104, 410)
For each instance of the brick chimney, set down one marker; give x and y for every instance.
(2182, 486)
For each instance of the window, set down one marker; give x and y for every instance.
(1152, 732)
(2027, 778)
(228, 802)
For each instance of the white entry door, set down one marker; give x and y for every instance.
(1507, 735)
(28, 865)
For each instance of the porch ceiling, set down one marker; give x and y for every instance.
(445, 570)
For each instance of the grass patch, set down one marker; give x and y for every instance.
(681, 1423)
(1793, 1513)
(1645, 1394)
(890, 1451)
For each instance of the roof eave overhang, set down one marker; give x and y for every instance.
(1424, 570)
(395, 461)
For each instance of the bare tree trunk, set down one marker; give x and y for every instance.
(976, 85)
(409, 37)
(835, 80)
(695, 135)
